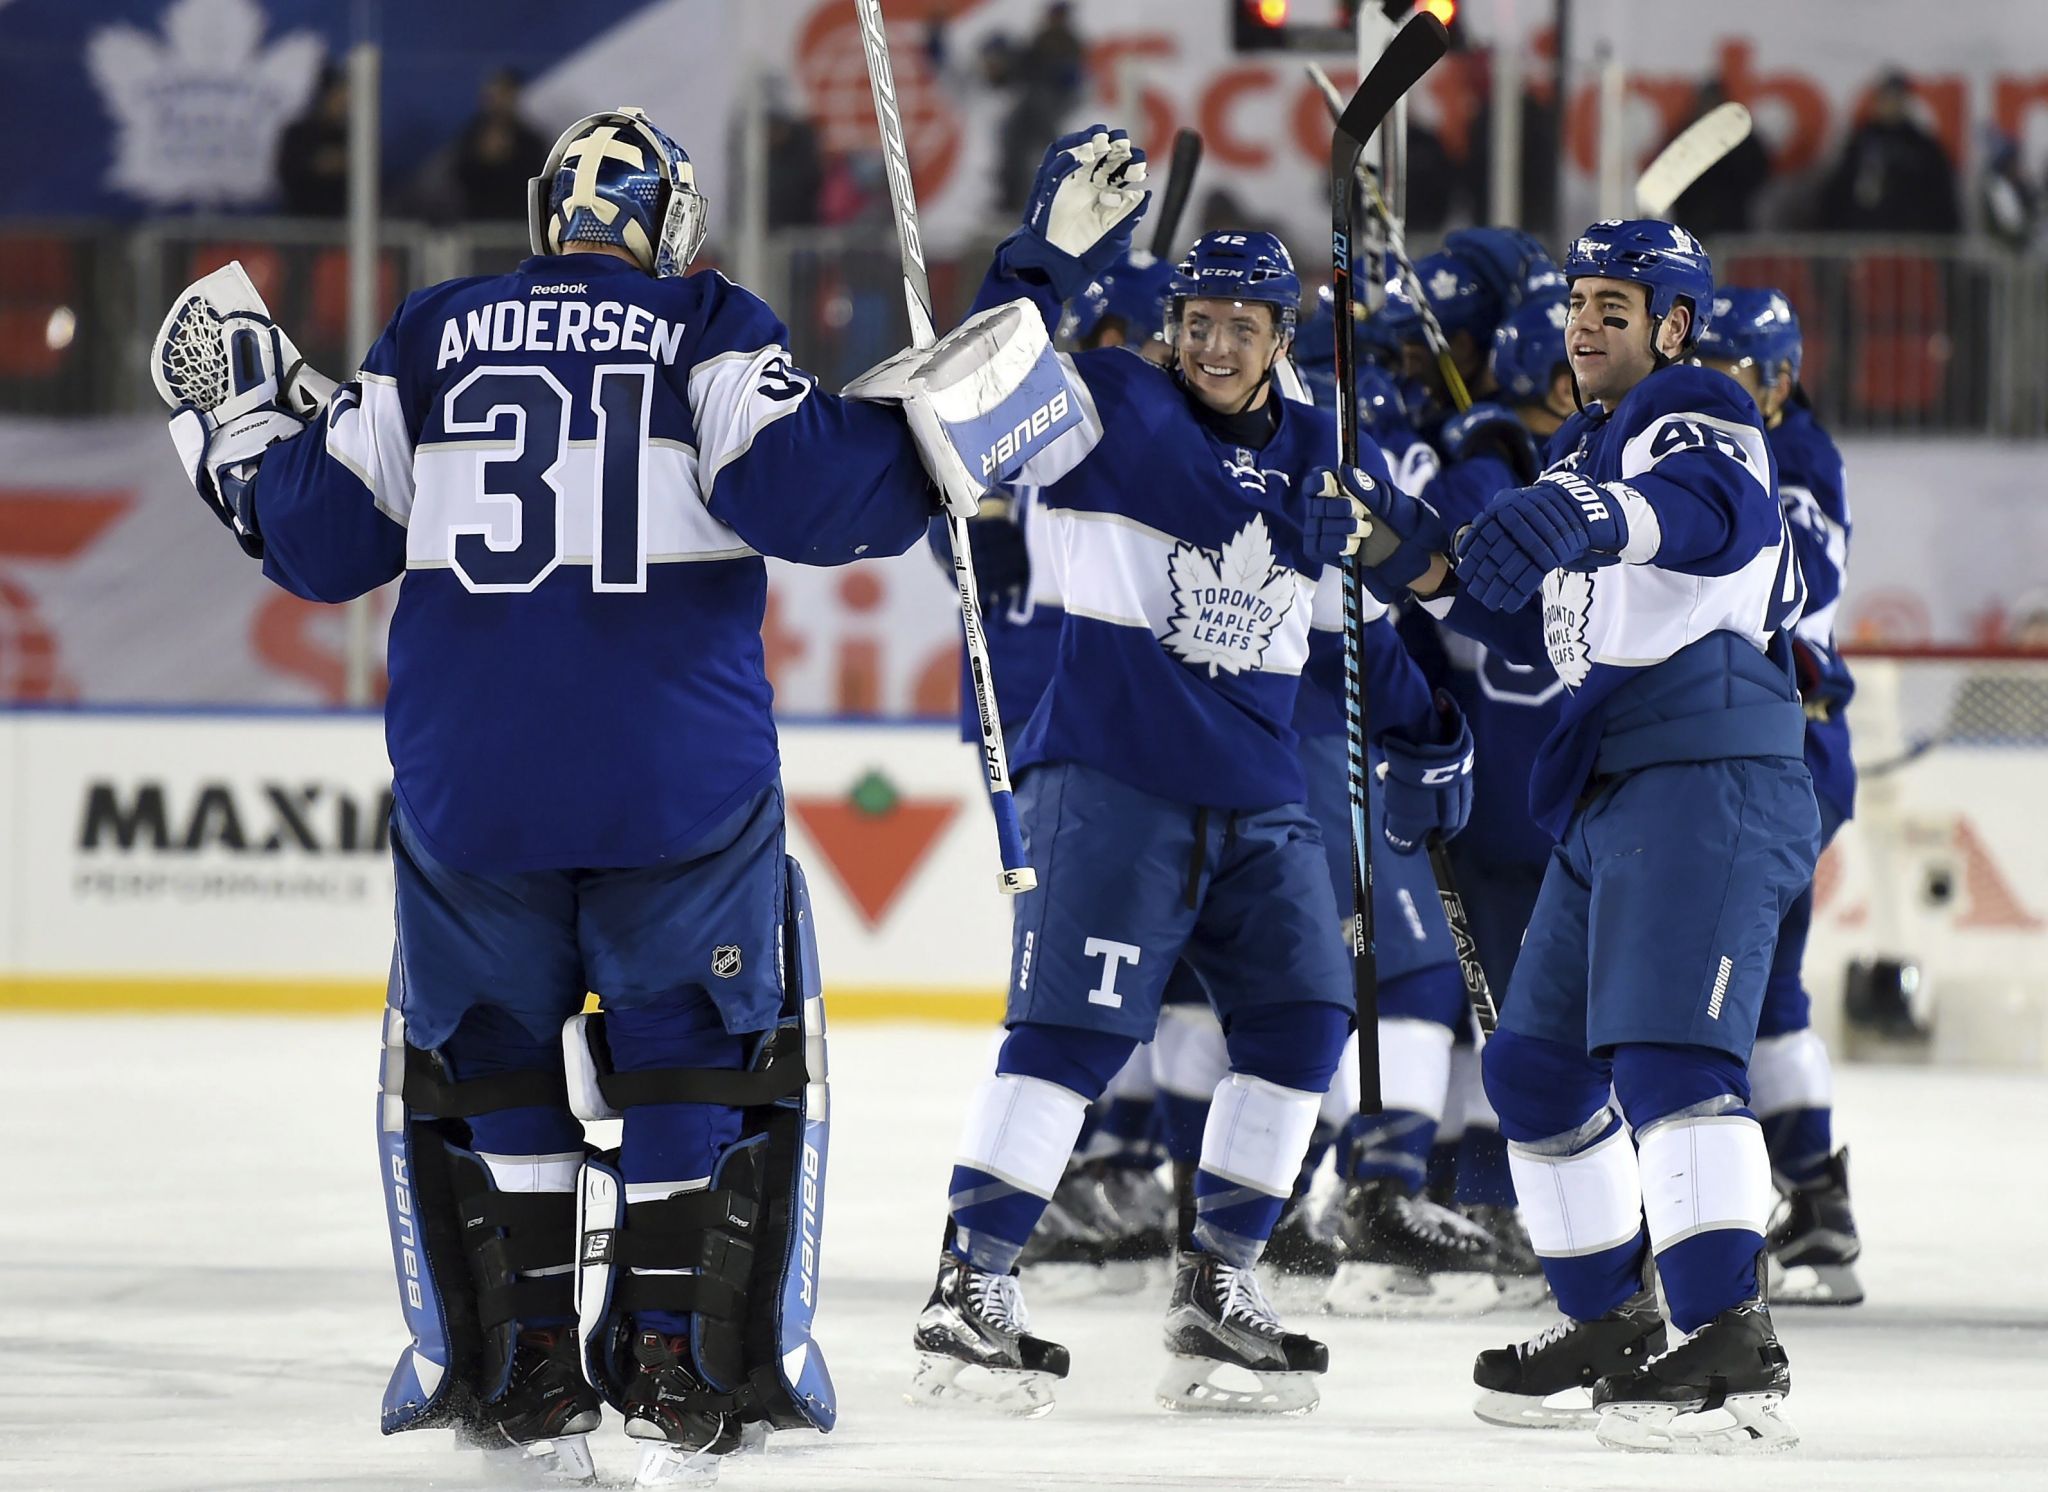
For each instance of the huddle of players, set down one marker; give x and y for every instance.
(568, 775)
(1427, 1219)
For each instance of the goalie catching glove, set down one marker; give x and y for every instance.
(981, 401)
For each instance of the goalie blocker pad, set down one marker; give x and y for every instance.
(981, 401)
(749, 1241)
(458, 1243)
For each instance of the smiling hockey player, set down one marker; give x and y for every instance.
(1162, 801)
(1684, 811)
(576, 467)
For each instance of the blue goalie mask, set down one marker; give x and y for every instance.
(614, 178)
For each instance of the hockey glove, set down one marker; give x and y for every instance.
(1492, 430)
(1394, 535)
(1001, 562)
(1085, 202)
(220, 449)
(1562, 522)
(1427, 789)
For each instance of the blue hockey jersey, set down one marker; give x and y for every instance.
(1020, 629)
(1679, 653)
(577, 468)
(1812, 490)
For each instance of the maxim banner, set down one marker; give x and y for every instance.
(118, 587)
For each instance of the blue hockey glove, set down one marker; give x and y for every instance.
(1087, 197)
(1001, 562)
(1427, 788)
(1559, 523)
(1399, 538)
(1491, 430)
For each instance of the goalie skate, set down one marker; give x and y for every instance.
(1406, 1256)
(538, 1433)
(1717, 1393)
(975, 1349)
(1229, 1354)
(1546, 1383)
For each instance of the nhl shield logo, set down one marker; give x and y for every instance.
(725, 960)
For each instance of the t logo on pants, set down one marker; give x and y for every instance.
(1113, 955)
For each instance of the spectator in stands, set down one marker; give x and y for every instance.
(1539, 156)
(2010, 204)
(1893, 176)
(312, 153)
(498, 152)
(1724, 199)
(1045, 75)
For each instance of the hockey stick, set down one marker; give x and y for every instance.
(1017, 875)
(1478, 991)
(1698, 148)
(1413, 51)
(1180, 183)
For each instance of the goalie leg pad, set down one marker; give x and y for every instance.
(465, 1252)
(744, 1249)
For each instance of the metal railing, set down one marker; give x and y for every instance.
(1906, 336)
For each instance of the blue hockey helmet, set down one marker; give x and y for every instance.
(1132, 291)
(1662, 257)
(1382, 406)
(1751, 325)
(1460, 298)
(1511, 263)
(1529, 348)
(614, 178)
(1254, 267)
(1315, 340)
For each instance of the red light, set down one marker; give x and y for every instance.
(1444, 10)
(1270, 12)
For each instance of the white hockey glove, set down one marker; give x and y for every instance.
(219, 447)
(981, 401)
(189, 358)
(1088, 194)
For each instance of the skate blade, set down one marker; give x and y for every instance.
(561, 1462)
(942, 1382)
(666, 1465)
(1568, 1409)
(1815, 1284)
(1361, 1289)
(1743, 1425)
(1202, 1385)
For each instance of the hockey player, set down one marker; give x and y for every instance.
(1676, 786)
(1754, 338)
(1161, 799)
(576, 467)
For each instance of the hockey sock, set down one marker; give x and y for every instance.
(1415, 1070)
(669, 1148)
(1483, 1175)
(1020, 1130)
(1127, 1132)
(1251, 1154)
(1188, 1060)
(1792, 1091)
(1581, 1197)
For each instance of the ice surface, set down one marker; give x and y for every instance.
(196, 1293)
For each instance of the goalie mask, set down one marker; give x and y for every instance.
(613, 178)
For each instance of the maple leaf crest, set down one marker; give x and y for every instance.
(1227, 603)
(1567, 607)
(1443, 285)
(198, 111)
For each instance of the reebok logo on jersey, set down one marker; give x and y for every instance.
(574, 288)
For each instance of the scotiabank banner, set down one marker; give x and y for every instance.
(156, 855)
(118, 587)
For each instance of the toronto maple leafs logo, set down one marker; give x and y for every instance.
(1567, 605)
(197, 110)
(1228, 602)
(1558, 315)
(1443, 285)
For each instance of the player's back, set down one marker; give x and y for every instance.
(598, 459)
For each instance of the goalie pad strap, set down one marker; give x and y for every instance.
(526, 1300)
(427, 1091)
(525, 1210)
(524, 1252)
(694, 1293)
(728, 1088)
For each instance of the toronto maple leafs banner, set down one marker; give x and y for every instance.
(139, 106)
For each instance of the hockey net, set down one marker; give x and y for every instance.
(1941, 880)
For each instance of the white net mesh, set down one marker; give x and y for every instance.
(194, 361)
(1908, 704)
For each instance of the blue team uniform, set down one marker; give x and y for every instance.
(577, 681)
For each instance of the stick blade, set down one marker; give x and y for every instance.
(1415, 49)
(1698, 148)
(1180, 184)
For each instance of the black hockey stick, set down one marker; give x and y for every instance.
(1413, 52)
(1478, 991)
(1017, 875)
(1180, 184)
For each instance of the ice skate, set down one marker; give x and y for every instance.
(975, 1349)
(1814, 1247)
(666, 1403)
(1299, 1246)
(1072, 1229)
(1141, 1207)
(1229, 1353)
(1546, 1382)
(538, 1433)
(1517, 1270)
(1719, 1392)
(1406, 1256)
